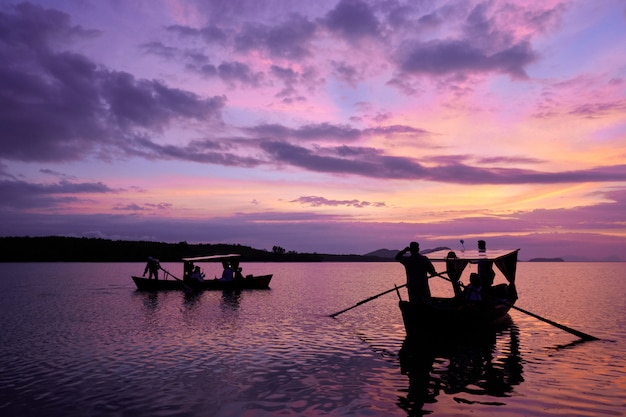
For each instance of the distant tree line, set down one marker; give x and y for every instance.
(72, 249)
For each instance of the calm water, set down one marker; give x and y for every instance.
(78, 340)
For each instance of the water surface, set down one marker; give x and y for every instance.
(78, 339)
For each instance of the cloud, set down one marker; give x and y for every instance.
(533, 231)
(134, 207)
(315, 201)
(451, 56)
(353, 20)
(211, 34)
(309, 132)
(381, 166)
(25, 195)
(67, 106)
(288, 39)
(238, 72)
(600, 109)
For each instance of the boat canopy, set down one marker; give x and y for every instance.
(213, 258)
(470, 255)
(456, 261)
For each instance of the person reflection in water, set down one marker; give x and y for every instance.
(417, 268)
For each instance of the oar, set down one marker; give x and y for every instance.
(578, 333)
(575, 332)
(365, 301)
(187, 287)
(395, 288)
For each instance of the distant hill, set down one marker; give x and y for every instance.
(391, 253)
(383, 253)
(577, 258)
(546, 260)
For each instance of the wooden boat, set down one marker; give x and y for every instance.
(171, 282)
(456, 314)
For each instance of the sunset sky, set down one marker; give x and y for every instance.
(340, 126)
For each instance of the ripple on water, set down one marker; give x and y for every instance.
(97, 348)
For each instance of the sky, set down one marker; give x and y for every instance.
(333, 126)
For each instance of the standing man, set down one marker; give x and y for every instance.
(417, 267)
(153, 267)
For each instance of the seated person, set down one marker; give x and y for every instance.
(227, 275)
(197, 275)
(238, 274)
(473, 291)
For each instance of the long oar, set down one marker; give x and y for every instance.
(377, 295)
(365, 301)
(187, 287)
(575, 332)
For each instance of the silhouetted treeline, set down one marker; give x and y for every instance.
(71, 249)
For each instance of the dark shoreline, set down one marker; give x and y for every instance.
(77, 249)
(73, 249)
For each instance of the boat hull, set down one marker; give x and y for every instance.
(253, 282)
(444, 315)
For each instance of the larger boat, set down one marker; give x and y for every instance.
(193, 279)
(462, 313)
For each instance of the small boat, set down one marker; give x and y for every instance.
(457, 313)
(230, 263)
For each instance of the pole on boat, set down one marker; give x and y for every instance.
(185, 286)
(582, 335)
(395, 288)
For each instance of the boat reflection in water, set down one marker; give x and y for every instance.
(486, 363)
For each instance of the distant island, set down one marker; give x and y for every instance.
(546, 260)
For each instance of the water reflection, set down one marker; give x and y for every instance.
(191, 299)
(150, 299)
(477, 364)
(231, 299)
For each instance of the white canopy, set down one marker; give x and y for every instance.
(212, 258)
(470, 255)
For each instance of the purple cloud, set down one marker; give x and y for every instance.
(25, 195)
(288, 39)
(60, 106)
(353, 20)
(315, 201)
(211, 34)
(451, 56)
(238, 72)
(382, 166)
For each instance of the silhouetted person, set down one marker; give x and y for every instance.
(417, 268)
(227, 274)
(153, 267)
(238, 274)
(474, 289)
(485, 268)
(197, 275)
